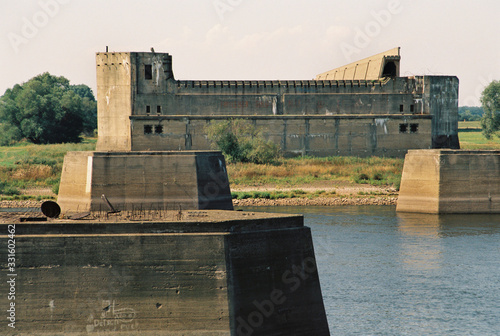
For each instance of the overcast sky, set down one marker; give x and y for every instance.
(252, 39)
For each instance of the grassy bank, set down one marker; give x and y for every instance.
(26, 166)
(294, 172)
(471, 137)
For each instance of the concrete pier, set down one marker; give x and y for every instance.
(450, 181)
(147, 180)
(176, 273)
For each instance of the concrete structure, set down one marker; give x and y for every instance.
(141, 106)
(160, 180)
(195, 273)
(450, 181)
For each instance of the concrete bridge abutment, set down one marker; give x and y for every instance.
(444, 181)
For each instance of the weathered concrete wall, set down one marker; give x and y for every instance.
(449, 181)
(327, 97)
(440, 98)
(155, 93)
(359, 135)
(214, 273)
(115, 91)
(190, 180)
(273, 273)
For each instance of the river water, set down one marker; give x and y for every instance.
(388, 273)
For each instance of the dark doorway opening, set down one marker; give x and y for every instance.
(390, 70)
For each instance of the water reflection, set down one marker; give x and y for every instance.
(420, 241)
(422, 225)
(450, 225)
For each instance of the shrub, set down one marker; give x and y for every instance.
(239, 141)
(265, 194)
(262, 151)
(362, 178)
(8, 190)
(243, 195)
(278, 195)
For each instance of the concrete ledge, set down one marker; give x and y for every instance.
(161, 222)
(450, 181)
(398, 116)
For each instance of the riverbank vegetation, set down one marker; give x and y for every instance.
(29, 171)
(285, 173)
(26, 167)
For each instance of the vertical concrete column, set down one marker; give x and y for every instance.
(440, 95)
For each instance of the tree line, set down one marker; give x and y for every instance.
(470, 113)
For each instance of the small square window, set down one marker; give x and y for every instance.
(401, 108)
(158, 129)
(148, 71)
(148, 129)
(158, 109)
(413, 128)
(403, 128)
(148, 109)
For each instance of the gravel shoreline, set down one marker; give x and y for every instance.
(21, 204)
(318, 201)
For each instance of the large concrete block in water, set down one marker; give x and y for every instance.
(450, 181)
(165, 273)
(147, 180)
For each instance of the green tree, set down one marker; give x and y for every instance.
(490, 99)
(46, 109)
(239, 141)
(89, 108)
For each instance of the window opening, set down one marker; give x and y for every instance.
(158, 109)
(401, 108)
(148, 129)
(148, 71)
(413, 128)
(158, 129)
(403, 128)
(148, 109)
